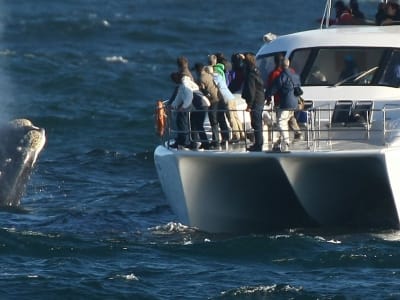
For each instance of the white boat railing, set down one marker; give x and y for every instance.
(377, 128)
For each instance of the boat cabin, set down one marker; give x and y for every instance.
(338, 57)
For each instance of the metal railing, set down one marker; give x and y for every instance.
(318, 129)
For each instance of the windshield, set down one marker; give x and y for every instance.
(342, 66)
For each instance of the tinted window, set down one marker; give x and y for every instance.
(266, 64)
(391, 73)
(344, 66)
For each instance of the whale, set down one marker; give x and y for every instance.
(21, 142)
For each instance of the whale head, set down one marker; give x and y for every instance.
(20, 145)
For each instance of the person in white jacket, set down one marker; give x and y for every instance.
(183, 105)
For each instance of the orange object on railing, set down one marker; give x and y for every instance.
(160, 118)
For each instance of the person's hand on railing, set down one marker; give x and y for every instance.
(248, 109)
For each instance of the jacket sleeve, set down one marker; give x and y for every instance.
(249, 90)
(184, 97)
(178, 98)
(187, 97)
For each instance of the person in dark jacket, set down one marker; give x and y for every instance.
(358, 15)
(236, 75)
(392, 13)
(183, 66)
(253, 93)
(284, 85)
(343, 14)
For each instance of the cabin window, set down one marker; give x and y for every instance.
(298, 61)
(338, 66)
(391, 74)
(266, 64)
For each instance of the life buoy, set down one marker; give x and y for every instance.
(160, 118)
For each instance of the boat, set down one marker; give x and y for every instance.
(345, 173)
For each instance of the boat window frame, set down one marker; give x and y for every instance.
(388, 56)
(376, 79)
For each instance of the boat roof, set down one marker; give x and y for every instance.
(336, 36)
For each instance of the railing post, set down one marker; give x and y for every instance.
(384, 125)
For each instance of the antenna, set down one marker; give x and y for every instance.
(327, 14)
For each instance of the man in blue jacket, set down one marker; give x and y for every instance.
(284, 85)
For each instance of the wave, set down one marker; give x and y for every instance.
(117, 59)
(276, 291)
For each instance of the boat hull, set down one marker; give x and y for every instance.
(246, 192)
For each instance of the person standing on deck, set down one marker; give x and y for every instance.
(392, 13)
(229, 100)
(285, 85)
(182, 103)
(208, 87)
(271, 78)
(216, 112)
(183, 66)
(236, 75)
(253, 93)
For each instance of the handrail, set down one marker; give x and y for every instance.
(379, 131)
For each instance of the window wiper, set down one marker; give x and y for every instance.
(356, 76)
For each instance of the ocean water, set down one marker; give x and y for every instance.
(96, 224)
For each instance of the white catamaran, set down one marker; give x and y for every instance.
(346, 171)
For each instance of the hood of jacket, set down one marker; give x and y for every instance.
(220, 69)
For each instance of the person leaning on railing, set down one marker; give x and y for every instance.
(183, 104)
(229, 99)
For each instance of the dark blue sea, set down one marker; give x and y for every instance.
(95, 223)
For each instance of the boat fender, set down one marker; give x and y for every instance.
(160, 118)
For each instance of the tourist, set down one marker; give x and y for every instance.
(207, 85)
(392, 13)
(227, 65)
(275, 73)
(183, 105)
(197, 117)
(358, 15)
(253, 93)
(229, 99)
(380, 13)
(216, 112)
(270, 80)
(183, 66)
(212, 60)
(343, 14)
(284, 85)
(236, 74)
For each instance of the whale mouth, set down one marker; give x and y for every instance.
(20, 145)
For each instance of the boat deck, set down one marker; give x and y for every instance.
(295, 145)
